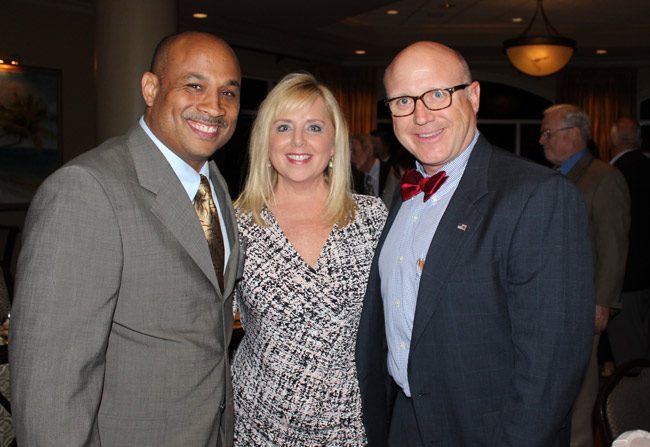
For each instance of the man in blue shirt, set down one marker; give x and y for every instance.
(478, 317)
(564, 135)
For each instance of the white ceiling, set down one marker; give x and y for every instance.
(330, 31)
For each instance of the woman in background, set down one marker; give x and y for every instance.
(308, 246)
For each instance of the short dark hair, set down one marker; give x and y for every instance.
(159, 57)
(161, 52)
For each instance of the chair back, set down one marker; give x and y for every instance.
(623, 402)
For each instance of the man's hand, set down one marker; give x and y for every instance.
(602, 317)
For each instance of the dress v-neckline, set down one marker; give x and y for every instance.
(274, 222)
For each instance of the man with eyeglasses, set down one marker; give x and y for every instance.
(478, 315)
(564, 136)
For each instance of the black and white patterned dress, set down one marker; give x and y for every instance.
(294, 377)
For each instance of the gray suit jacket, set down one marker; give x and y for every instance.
(504, 318)
(605, 192)
(119, 328)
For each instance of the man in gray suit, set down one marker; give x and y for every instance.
(478, 316)
(120, 327)
(564, 135)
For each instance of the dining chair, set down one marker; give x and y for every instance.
(623, 402)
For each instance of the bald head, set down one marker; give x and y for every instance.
(435, 136)
(625, 134)
(161, 55)
(435, 54)
(192, 95)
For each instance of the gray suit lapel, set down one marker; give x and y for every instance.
(169, 201)
(460, 221)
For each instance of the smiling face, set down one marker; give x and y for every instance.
(193, 99)
(433, 137)
(301, 142)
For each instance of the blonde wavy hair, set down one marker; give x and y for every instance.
(294, 92)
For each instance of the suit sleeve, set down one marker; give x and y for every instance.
(550, 303)
(67, 284)
(610, 225)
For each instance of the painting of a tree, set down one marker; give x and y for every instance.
(30, 132)
(24, 118)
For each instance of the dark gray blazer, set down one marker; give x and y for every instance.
(119, 329)
(636, 169)
(504, 318)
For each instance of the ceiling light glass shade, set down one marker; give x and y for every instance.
(539, 56)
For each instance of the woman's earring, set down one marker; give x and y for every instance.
(330, 164)
(268, 164)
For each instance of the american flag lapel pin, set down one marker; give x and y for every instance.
(462, 227)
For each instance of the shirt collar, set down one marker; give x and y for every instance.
(185, 173)
(619, 155)
(570, 162)
(455, 167)
(374, 171)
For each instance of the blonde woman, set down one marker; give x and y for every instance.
(309, 243)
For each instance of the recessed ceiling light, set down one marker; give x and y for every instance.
(447, 5)
(601, 51)
(359, 52)
(517, 19)
(200, 15)
(392, 12)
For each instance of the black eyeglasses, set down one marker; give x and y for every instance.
(436, 99)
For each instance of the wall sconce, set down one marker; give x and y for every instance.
(539, 55)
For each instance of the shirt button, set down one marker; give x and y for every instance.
(401, 259)
(402, 345)
(397, 303)
(415, 217)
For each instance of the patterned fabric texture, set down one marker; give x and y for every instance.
(6, 429)
(294, 375)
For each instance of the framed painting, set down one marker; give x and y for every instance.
(30, 130)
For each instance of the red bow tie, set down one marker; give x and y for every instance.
(413, 183)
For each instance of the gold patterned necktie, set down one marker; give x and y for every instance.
(209, 218)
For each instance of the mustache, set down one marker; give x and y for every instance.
(207, 119)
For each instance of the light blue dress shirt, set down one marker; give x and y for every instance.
(402, 258)
(190, 179)
(570, 162)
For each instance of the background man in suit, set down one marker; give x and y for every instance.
(564, 135)
(120, 326)
(478, 317)
(371, 175)
(629, 330)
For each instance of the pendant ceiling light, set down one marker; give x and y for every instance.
(539, 55)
